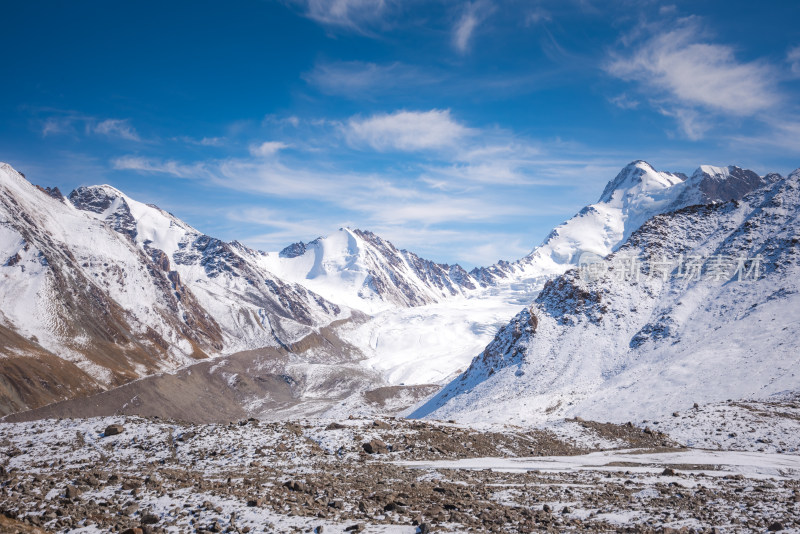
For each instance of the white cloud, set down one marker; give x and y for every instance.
(116, 128)
(57, 126)
(267, 148)
(623, 101)
(407, 130)
(211, 141)
(355, 15)
(474, 13)
(470, 183)
(693, 124)
(793, 57)
(537, 15)
(360, 79)
(142, 164)
(680, 66)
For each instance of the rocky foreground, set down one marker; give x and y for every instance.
(134, 475)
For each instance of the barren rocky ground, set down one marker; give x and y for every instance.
(129, 474)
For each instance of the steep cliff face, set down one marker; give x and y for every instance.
(699, 305)
(104, 289)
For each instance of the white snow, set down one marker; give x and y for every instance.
(429, 344)
(644, 349)
(755, 465)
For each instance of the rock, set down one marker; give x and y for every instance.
(382, 425)
(113, 430)
(294, 485)
(150, 519)
(186, 436)
(775, 527)
(423, 528)
(375, 446)
(131, 485)
(668, 472)
(675, 414)
(355, 528)
(72, 492)
(134, 530)
(255, 502)
(335, 426)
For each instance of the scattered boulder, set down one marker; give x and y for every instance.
(113, 430)
(186, 436)
(295, 485)
(375, 446)
(150, 519)
(72, 492)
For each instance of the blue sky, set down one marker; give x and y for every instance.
(463, 131)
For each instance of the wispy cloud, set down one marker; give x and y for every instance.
(58, 126)
(267, 148)
(354, 15)
(692, 123)
(151, 165)
(455, 179)
(793, 57)
(74, 124)
(537, 15)
(686, 74)
(359, 79)
(624, 101)
(116, 128)
(203, 141)
(407, 130)
(472, 15)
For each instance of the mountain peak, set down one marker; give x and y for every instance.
(642, 176)
(723, 183)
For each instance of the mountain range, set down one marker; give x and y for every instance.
(106, 300)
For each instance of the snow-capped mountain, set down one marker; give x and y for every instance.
(99, 289)
(635, 195)
(361, 270)
(700, 305)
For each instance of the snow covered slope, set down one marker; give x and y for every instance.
(361, 270)
(677, 315)
(99, 289)
(636, 194)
